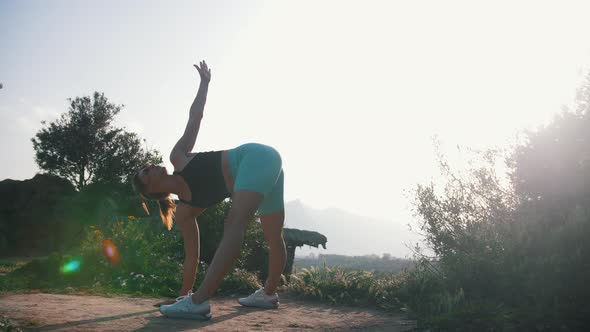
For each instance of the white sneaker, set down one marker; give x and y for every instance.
(260, 299)
(185, 308)
(183, 296)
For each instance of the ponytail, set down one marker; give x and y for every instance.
(165, 204)
(167, 210)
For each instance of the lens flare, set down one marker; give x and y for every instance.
(110, 251)
(71, 266)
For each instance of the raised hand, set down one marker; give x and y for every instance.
(204, 71)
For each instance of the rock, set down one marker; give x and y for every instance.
(28, 209)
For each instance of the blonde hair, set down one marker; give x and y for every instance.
(165, 204)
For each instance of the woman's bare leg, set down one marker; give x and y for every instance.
(244, 205)
(272, 225)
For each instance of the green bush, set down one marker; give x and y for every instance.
(503, 260)
(150, 262)
(7, 326)
(419, 290)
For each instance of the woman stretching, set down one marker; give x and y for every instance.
(251, 174)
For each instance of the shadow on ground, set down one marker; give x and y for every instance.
(58, 312)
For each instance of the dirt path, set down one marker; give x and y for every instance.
(57, 312)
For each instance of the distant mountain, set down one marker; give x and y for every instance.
(350, 234)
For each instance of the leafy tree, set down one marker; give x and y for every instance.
(553, 165)
(519, 249)
(466, 223)
(84, 147)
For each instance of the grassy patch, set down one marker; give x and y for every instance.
(340, 286)
(6, 325)
(9, 264)
(149, 263)
(45, 275)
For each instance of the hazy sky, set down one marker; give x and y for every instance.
(350, 92)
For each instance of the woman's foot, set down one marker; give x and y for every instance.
(185, 308)
(260, 299)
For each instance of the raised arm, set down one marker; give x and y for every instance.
(186, 143)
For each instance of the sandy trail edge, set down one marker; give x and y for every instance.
(58, 312)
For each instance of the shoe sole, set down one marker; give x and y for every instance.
(186, 315)
(263, 306)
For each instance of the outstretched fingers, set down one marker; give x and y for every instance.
(204, 70)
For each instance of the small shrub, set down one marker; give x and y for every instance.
(151, 262)
(340, 286)
(7, 326)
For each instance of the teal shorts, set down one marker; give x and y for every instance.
(258, 167)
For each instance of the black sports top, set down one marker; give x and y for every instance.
(205, 179)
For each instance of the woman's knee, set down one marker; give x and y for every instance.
(272, 227)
